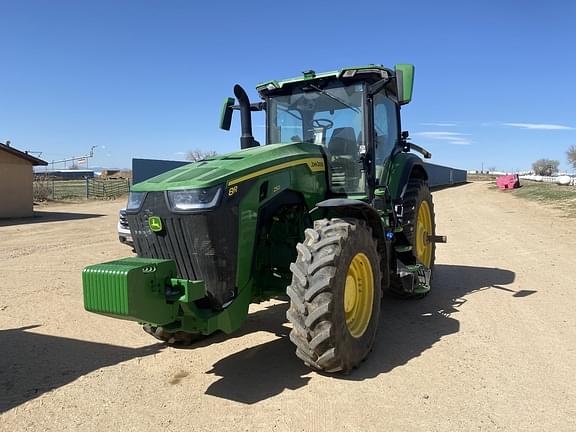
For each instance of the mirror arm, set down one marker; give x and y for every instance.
(421, 150)
(377, 86)
(258, 106)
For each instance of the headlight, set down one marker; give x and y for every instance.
(194, 199)
(135, 200)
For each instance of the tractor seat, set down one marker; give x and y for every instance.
(343, 149)
(343, 142)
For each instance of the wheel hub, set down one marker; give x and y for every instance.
(423, 230)
(350, 294)
(358, 295)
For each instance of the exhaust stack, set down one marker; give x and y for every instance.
(247, 139)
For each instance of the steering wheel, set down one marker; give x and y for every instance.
(323, 123)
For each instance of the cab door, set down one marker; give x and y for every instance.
(386, 116)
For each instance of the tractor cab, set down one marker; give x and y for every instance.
(353, 114)
(332, 116)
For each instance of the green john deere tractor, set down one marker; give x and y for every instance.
(333, 211)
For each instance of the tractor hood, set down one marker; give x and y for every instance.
(231, 167)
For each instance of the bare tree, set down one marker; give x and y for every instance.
(545, 167)
(198, 155)
(571, 154)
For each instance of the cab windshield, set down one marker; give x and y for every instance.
(331, 116)
(316, 115)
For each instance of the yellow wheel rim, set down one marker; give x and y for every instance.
(358, 295)
(423, 230)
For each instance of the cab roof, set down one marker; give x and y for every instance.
(364, 72)
(398, 81)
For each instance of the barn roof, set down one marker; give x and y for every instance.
(23, 155)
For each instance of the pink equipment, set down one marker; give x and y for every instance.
(508, 181)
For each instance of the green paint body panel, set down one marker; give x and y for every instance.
(397, 170)
(132, 289)
(103, 282)
(407, 82)
(220, 169)
(135, 289)
(312, 187)
(196, 320)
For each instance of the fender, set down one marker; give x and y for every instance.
(342, 207)
(404, 166)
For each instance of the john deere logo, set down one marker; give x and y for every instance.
(155, 223)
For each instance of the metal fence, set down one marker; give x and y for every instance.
(54, 189)
(562, 180)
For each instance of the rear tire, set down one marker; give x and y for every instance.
(335, 295)
(417, 196)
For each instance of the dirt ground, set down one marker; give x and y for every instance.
(493, 347)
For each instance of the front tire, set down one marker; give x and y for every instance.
(335, 295)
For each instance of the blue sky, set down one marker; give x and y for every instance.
(495, 80)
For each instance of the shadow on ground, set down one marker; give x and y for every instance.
(407, 329)
(32, 363)
(262, 371)
(48, 216)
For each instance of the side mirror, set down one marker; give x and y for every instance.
(226, 114)
(404, 82)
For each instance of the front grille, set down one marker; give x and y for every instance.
(123, 219)
(204, 245)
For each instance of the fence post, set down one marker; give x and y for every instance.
(87, 195)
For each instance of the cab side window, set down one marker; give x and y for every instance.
(385, 127)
